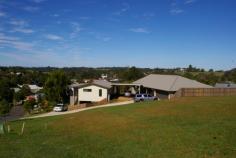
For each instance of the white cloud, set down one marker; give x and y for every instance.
(20, 23)
(10, 38)
(76, 29)
(125, 8)
(53, 37)
(99, 36)
(139, 30)
(13, 56)
(148, 15)
(176, 11)
(55, 15)
(189, 1)
(84, 18)
(14, 42)
(106, 39)
(21, 45)
(38, 1)
(76, 26)
(31, 9)
(22, 30)
(2, 14)
(20, 26)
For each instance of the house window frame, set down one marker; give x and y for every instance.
(87, 90)
(100, 92)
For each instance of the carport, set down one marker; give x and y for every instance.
(132, 87)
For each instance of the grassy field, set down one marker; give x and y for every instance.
(186, 127)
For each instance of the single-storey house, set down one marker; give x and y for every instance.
(33, 88)
(165, 86)
(162, 86)
(96, 91)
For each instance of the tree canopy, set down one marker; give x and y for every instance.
(5, 107)
(132, 74)
(6, 93)
(55, 86)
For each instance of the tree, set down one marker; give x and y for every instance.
(29, 105)
(132, 74)
(24, 91)
(5, 108)
(190, 68)
(211, 70)
(6, 93)
(55, 87)
(230, 75)
(189, 75)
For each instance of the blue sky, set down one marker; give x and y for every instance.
(142, 33)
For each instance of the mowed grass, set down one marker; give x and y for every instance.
(185, 127)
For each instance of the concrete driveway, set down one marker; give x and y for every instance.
(78, 110)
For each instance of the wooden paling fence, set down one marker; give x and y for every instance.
(198, 92)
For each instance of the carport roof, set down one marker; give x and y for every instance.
(125, 84)
(169, 82)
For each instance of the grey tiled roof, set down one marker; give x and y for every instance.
(169, 82)
(101, 83)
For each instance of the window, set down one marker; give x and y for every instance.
(87, 90)
(100, 92)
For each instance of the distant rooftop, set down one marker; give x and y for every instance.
(225, 85)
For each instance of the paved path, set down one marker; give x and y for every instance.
(15, 113)
(78, 110)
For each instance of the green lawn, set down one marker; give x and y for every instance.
(186, 127)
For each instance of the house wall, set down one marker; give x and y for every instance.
(92, 96)
(158, 93)
(74, 96)
(162, 94)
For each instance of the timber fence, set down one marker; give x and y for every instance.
(198, 92)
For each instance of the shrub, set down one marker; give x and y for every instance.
(47, 106)
(5, 107)
(29, 105)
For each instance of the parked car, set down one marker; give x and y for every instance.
(144, 97)
(127, 94)
(60, 107)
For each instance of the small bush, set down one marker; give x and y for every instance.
(29, 105)
(47, 105)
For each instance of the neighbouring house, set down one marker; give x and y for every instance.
(73, 80)
(18, 73)
(165, 86)
(104, 76)
(87, 80)
(115, 80)
(35, 88)
(16, 89)
(35, 97)
(225, 85)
